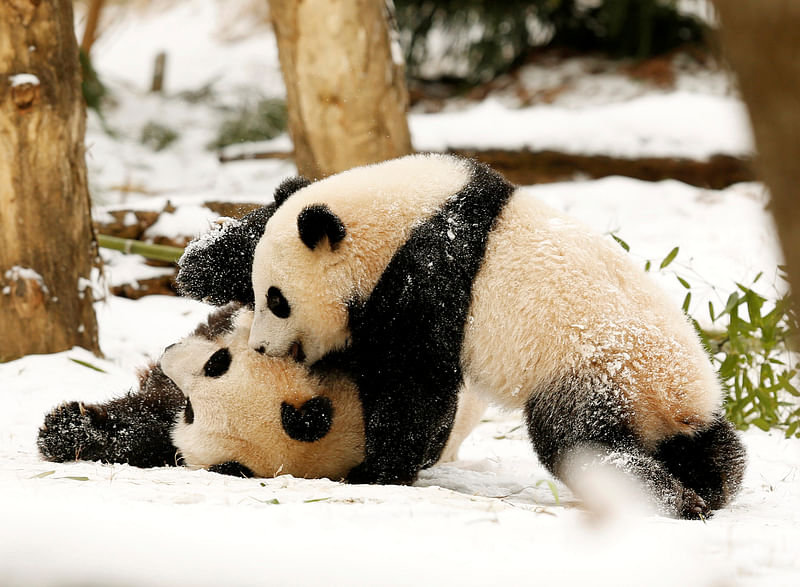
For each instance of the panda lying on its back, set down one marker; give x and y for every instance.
(219, 405)
(427, 272)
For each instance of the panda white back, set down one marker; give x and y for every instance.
(554, 298)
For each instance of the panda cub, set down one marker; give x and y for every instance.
(214, 403)
(426, 273)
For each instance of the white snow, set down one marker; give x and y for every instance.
(22, 79)
(489, 518)
(196, 220)
(676, 124)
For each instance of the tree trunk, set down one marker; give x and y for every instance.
(761, 41)
(47, 242)
(346, 91)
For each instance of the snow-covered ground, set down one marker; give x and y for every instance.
(489, 518)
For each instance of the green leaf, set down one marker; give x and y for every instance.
(85, 364)
(683, 282)
(686, 301)
(711, 311)
(316, 500)
(622, 243)
(43, 475)
(74, 478)
(647, 266)
(669, 258)
(553, 488)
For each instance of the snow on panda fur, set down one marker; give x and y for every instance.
(426, 273)
(214, 403)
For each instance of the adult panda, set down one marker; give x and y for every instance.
(427, 272)
(214, 403)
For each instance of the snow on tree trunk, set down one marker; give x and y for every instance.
(345, 83)
(761, 40)
(47, 242)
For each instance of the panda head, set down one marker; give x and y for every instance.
(271, 415)
(327, 245)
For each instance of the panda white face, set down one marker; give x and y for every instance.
(328, 244)
(269, 415)
(292, 317)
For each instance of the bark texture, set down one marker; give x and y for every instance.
(346, 94)
(47, 244)
(762, 43)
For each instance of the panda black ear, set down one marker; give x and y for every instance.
(311, 422)
(289, 186)
(316, 222)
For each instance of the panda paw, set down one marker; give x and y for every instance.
(232, 468)
(693, 507)
(364, 475)
(73, 431)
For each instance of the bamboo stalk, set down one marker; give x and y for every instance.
(92, 20)
(147, 250)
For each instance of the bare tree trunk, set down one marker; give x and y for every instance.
(47, 243)
(762, 43)
(347, 97)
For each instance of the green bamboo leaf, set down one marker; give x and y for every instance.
(621, 243)
(686, 301)
(43, 475)
(683, 282)
(553, 488)
(85, 364)
(669, 258)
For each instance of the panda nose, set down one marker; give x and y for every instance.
(261, 350)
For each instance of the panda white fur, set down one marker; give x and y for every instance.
(427, 272)
(270, 415)
(215, 403)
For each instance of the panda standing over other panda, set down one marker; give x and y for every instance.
(425, 273)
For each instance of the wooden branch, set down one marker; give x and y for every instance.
(92, 20)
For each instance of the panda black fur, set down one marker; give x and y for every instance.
(426, 272)
(214, 403)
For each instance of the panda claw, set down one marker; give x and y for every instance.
(694, 506)
(82, 408)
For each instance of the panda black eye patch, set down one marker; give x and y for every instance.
(277, 303)
(218, 363)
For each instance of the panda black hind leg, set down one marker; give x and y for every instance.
(711, 462)
(584, 420)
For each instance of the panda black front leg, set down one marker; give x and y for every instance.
(74, 431)
(404, 433)
(133, 429)
(232, 468)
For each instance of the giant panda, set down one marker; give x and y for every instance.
(423, 274)
(214, 403)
